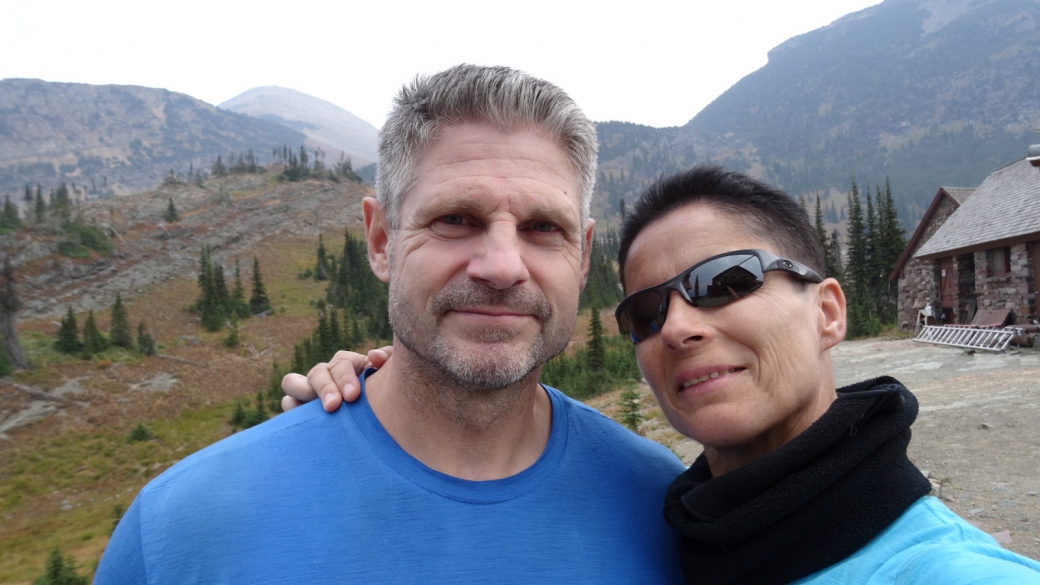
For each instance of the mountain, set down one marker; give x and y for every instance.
(326, 125)
(925, 92)
(115, 139)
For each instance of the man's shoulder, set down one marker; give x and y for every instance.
(591, 429)
(253, 451)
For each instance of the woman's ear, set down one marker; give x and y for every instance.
(832, 313)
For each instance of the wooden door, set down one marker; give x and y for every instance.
(947, 287)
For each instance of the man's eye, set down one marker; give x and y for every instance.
(543, 226)
(453, 219)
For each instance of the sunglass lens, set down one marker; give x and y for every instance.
(644, 314)
(724, 280)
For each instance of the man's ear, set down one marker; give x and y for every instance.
(586, 252)
(377, 235)
(832, 313)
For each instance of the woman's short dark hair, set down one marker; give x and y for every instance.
(764, 209)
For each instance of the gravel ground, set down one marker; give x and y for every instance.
(977, 436)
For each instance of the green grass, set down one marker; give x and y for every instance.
(93, 472)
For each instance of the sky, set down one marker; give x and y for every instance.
(653, 62)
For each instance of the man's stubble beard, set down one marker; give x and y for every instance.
(420, 332)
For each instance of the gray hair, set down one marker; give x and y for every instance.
(500, 96)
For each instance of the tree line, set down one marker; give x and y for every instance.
(875, 240)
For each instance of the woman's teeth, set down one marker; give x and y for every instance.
(708, 377)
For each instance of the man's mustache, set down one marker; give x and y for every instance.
(470, 295)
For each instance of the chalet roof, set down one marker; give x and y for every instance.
(957, 194)
(1005, 205)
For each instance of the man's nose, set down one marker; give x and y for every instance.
(500, 264)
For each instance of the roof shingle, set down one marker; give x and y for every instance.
(1005, 205)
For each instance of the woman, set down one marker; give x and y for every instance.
(799, 481)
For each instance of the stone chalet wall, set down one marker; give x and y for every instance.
(919, 280)
(1013, 291)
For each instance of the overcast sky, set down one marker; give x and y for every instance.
(655, 62)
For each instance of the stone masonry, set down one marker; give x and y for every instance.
(919, 280)
(1013, 291)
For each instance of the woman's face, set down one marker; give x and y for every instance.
(764, 356)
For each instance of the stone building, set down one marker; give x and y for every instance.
(976, 249)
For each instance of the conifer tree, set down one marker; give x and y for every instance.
(9, 306)
(258, 302)
(9, 218)
(93, 341)
(232, 339)
(274, 388)
(321, 268)
(6, 367)
(61, 205)
(238, 294)
(218, 169)
(171, 215)
(821, 229)
(630, 415)
(119, 331)
(68, 334)
(145, 342)
(221, 291)
(238, 418)
(39, 207)
(597, 353)
(60, 570)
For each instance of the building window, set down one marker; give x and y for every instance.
(999, 261)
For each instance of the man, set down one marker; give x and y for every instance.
(459, 467)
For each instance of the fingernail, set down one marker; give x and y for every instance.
(326, 399)
(348, 388)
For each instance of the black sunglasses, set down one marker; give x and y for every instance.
(716, 281)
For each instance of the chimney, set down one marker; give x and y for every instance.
(1033, 155)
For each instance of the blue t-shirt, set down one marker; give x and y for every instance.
(311, 497)
(930, 544)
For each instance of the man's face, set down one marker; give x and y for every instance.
(488, 260)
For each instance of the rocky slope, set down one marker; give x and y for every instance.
(326, 125)
(116, 139)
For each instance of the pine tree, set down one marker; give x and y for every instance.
(238, 418)
(274, 388)
(238, 295)
(258, 302)
(232, 340)
(9, 306)
(39, 207)
(68, 334)
(221, 291)
(6, 366)
(821, 229)
(61, 205)
(9, 218)
(218, 169)
(93, 341)
(630, 415)
(119, 331)
(321, 268)
(60, 570)
(145, 342)
(834, 265)
(171, 215)
(596, 354)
